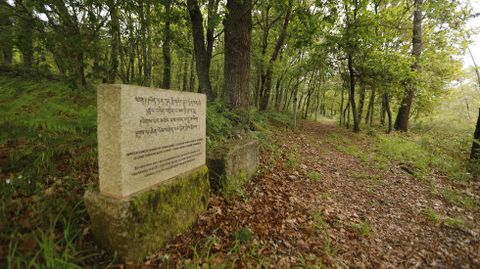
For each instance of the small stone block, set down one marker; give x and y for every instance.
(238, 158)
(137, 226)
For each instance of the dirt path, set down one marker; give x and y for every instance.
(313, 205)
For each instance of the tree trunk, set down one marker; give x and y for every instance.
(256, 91)
(24, 38)
(371, 102)
(148, 66)
(167, 56)
(356, 126)
(191, 84)
(211, 24)
(81, 69)
(201, 56)
(361, 102)
(401, 122)
(143, 44)
(389, 112)
(6, 38)
(295, 110)
(238, 35)
(115, 33)
(342, 100)
(278, 93)
(475, 152)
(267, 88)
(185, 74)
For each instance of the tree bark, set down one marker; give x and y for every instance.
(201, 56)
(356, 126)
(389, 112)
(25, 32)
(361, 101)
(185, 74)
(114, 42)
(167, 56)
(267, 81)
(148, 67)
(401, 122)
(475, 152)
(238, 35)
(371, 107)
(6, 38)
(278, 93)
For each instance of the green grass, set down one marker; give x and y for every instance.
(314, 176)
(319, 223)
(48, 157)
(365, 176)
(438, 218)
(46, 229)
(421, 156)
(362, 228)
(293, 159)
(46, 128)
(459, 199)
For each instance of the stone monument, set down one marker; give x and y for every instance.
(153, 178)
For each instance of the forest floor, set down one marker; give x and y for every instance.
(324, 197)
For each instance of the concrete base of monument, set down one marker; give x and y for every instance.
(137, 226)
(235, 161)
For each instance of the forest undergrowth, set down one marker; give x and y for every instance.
(323, 196)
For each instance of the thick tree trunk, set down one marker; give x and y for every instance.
(401, 122)
(167, 56)
(202, 59)
(238, 35)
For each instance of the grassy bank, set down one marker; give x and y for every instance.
(48, 157)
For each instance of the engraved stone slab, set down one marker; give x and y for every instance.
(147, 136)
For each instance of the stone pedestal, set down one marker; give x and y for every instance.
(137, 226)
(234, 160)
(152, 173)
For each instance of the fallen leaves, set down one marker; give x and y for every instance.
(286, 219)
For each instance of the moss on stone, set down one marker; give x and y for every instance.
(138, 226)
(237, 159)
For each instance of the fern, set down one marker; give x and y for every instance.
(44, 125)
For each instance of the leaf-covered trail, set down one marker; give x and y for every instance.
(314, 204)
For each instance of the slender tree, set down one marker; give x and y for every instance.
(401, 122)
(167, 40)
(202, 57)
